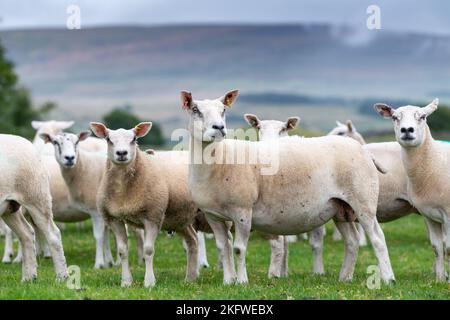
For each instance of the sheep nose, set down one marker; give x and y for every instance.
(404, 130)
(122, 153)
(69, 158)
(218, 127)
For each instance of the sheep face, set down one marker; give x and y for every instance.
(122, 143)
(207, 117)
(347, 130)
(410, 123)
(66, 147)
(271, 129)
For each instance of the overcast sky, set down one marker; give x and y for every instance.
(430, 16)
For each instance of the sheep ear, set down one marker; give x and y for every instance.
(83, 135)
(350, 126)
(186, 100)
(384, 110)
(46, 137)
(37, 124)
(142, 129)
(292, 122)
(338, 123)
(429, 109)
(99, 129)
(65, 124)
(229, 98)
(252, 120)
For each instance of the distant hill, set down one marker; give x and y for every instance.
(319, 72)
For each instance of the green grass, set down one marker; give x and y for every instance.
(411, 256)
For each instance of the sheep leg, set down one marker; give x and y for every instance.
(285, 261)
(9, 247)
(362, 236)
(351, 241)
(41, 245)
(446, 230)
(291, 238)
(120, 232)
(437, 242)
(99, 229)
(190, 238)
(25, 233)
(2, 228)
(376, 237)
(242, 225)
(151, 230)
(316, 242)
(18, 258)
(202, 255)
(223, 242)
(337, 236)
(43, 221)
(109, 260)
(139, 236)
(276, 255)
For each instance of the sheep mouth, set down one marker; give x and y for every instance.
(121, 159)
(408, 138)
(69, 165)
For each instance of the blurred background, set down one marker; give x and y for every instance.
(313, 59)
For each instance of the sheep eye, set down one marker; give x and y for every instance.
(196, 111)
(108, 140)
(395, 118)
(340, 133)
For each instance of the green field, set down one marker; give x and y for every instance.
(410, 252)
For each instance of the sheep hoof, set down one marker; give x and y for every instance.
(126, 283)
(149, 283)
(6, 260)
(18, 259)
(99, 266)
(29, 278)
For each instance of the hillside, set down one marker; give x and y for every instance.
(319, 72)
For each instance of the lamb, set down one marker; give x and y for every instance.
(393, 201)
(25, 183)
(62, 209)
(269, 130)
(284, 198)
(426, 163)
(54, 127)
(148, 192)
(82, 172)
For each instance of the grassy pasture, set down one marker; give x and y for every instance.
(410, 252)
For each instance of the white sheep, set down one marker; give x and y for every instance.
(426, 163)
(82, 172)
(147, 191)
(25, 183)
(308, 182)
(269, 130)
(54, 127)
(62, 209)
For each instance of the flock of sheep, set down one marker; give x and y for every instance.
(65, 177)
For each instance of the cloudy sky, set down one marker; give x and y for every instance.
(425, 16)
